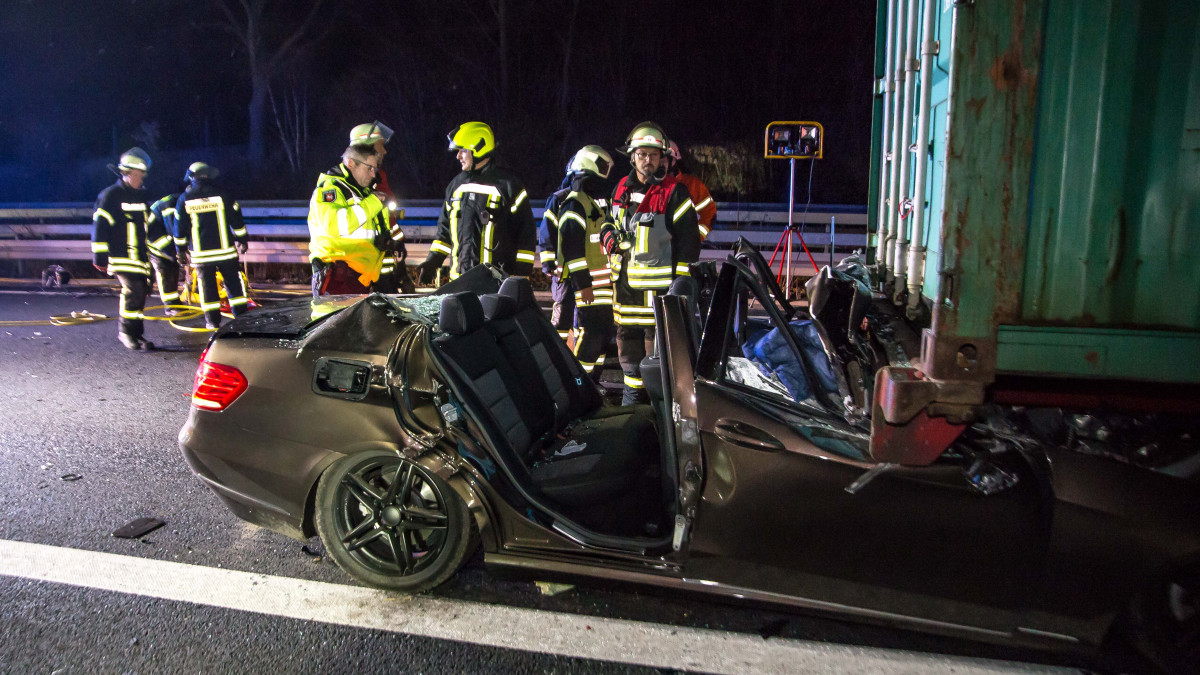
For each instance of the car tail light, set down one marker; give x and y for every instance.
(216, 385)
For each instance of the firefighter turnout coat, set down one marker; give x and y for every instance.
(208, 222)
(161, 227)
(119, 230)
(347, 222)
(579, 254)
(659, 221)
(486, 218)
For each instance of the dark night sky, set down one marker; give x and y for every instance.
(82, 80)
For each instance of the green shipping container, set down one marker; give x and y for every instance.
(1062, 204)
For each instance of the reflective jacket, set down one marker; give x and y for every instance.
(161, 227)
(706, 208)
(486, 218)
(347, 222)
(579, 254)
(660, 222)
(208, 223)
(119, 230)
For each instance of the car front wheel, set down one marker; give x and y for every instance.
(391, 523)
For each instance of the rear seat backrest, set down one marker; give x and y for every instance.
(498, 311)
(559, 369)
(481, 368)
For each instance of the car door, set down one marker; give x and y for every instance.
(775, 513)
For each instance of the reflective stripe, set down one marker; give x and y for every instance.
(206, 306)
(214, 255)
(682, 269)
(240, 300)
(525, 256)
(638, 270)
(547, 256)
(440, 247)
(160, 242)
(129, 314)
(571, 215)
(360, 213)
(103, 214)
(704, 231)
(520, 198)
(707, 200)
(634, 382)
(576, 265)
(681, 210)
(99, 247)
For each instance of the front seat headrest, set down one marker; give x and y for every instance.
(685, 286)
(498, 306)
(461, 313)
(519, 289)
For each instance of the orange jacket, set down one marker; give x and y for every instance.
(706, 208)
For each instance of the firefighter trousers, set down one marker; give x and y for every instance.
(593, 330)
(634, 314)
(210, 296)
(562, 313)
(134, 289)
(167, 272)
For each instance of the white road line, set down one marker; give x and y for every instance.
(571, 635)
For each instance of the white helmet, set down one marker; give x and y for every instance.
(591, 159)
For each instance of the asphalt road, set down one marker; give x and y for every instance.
(75, 403)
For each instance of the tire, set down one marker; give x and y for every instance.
(409, 538)
(1166, 622)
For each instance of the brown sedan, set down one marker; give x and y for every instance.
(406, 431)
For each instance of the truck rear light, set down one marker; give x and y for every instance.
(216, 385)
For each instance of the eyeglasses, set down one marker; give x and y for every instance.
(644, 154)
(374, 169)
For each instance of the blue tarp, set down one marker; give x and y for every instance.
(769, 350)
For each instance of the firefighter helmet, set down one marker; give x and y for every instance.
(134, 158)
(367, 134)
(646, 135)
(672, 151)
(591, 159)
(473, 136)
(201, 171)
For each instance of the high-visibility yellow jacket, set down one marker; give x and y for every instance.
(344, 222)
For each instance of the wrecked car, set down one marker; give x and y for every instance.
(405, 431)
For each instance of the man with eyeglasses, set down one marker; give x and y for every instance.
(348, 225)
(653, 238)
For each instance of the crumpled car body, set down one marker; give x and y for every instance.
(454, 411)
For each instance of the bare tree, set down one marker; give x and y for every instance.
(292, 122)
(269, 50)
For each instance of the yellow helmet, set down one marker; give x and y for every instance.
(591, 159)
(646, 135)
(134, 158)
(367, 134)
(474, 136)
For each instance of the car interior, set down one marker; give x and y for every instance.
(599, 465)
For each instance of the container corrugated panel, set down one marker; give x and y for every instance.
(1114, 231)
(936, 183)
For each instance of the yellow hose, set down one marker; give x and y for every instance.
(187, 312)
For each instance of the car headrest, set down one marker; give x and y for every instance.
(684, 285)
(519, 290)
(461, 313)
(498, 306)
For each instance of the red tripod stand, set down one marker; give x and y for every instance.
(785, 243)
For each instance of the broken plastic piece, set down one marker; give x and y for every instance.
(70, 477)
(551, 588)
(136, 528)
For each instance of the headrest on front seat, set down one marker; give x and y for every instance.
(498, 306)
(684, 285)
(519, 290)
(461, 313)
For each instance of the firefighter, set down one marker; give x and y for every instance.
(160, 233)
(653, 238)
(348, 225)
(119, 243)
(486, 217)
(562, 312)
(393, 275)
(706, 208)
(582, 260)
(211, 234)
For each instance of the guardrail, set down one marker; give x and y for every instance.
(279, 233)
